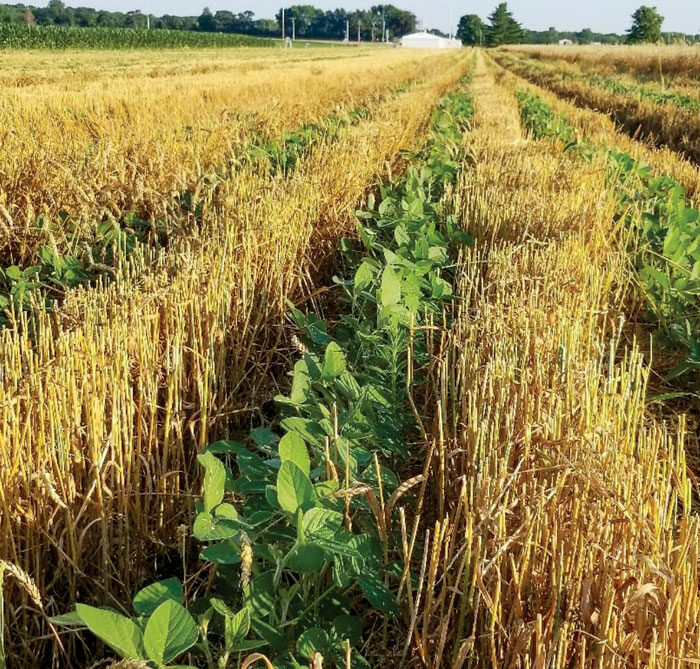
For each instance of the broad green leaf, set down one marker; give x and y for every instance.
(117, 631)
(214, 479)
(292, 447)
(226, 447)
(270, 633)
(264, 437)
(309, 430)
(225, 552)
(170, 631)
(363, 278)
(318, 522)
(294, 488)
(300, 382)
(260, 594)
(208, 528)
(237, 626)
(306, 558)
(312, 641)
(377, 594)
(334, 363)
(147, 600)
(347, 627)
(68, 619)
(390, 291)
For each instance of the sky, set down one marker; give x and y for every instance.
(599, 15)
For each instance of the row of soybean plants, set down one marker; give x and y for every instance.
(19, 36)
(296, 524)
(666, 252)
(87, 258)
(614, 85)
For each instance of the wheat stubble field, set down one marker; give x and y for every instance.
(348, 358)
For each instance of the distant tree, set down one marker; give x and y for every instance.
(206, 21)
(471, 29)
(398, 21)
(59, 14)
(85, 17)
(437, 31)
(552, 35)
(504, 29)
(106, 19)
(135, 19)
(585, 36)
(646, 26)
(6, 14)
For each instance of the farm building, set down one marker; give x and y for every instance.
(565, 42)
(425, 40)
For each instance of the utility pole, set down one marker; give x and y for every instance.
(148, 21)
(282, 23)
(373, 31)
(359, 23)
(294, 28)
(347, 31)
(383, 27)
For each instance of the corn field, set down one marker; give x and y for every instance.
(331, 359)
(13, 36)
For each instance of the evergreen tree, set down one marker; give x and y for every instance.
(504, 29)
(471, 30)
(646, 26)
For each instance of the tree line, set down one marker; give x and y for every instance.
(309, 21)
(502, 28)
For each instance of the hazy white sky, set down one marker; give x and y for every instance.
(599, 15)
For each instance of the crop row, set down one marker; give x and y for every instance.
(84, 259)
(14, 36)
(111, 396)
(641, 111)
(560, 526)
(297, 523)
(666, 240)
(668, 63)
(102, 158)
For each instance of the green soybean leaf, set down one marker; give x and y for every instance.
(293, 448)
(294, 488)
(377, 594)
(334, 363)
(306, 558)
(214, 479)
(312, 641)
(170, 631)
(147, 600)
(390, 290)
(260, 594)
(318, 522)
(225, 552)
(307, 429)
(117, 631)
(68, 619)
(347, 627)
(363, 278)
(236, 627)
(300, 382)
(264, 437)
(208, 528)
